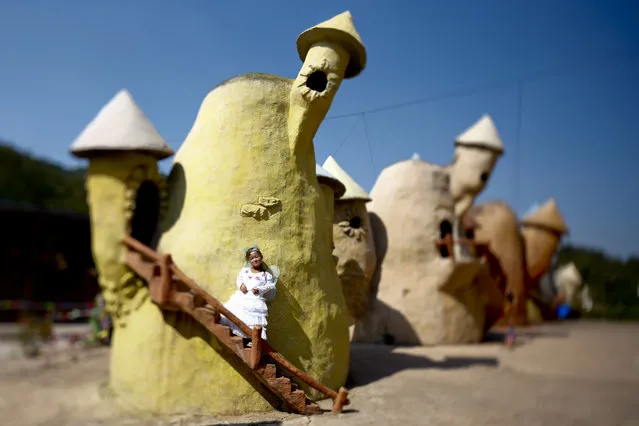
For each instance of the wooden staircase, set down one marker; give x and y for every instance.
(172, 290)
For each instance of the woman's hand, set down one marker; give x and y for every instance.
(243, 289)
(256, 291)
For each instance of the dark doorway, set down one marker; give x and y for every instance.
(445, 229)
(147, 212)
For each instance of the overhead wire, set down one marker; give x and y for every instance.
(370, 148)
(519, 84)
(500, 84)
(348, 135)
(516, 178)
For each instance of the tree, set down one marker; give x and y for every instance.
(612, 282)
(37, 182)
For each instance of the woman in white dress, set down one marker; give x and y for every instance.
(255, 285)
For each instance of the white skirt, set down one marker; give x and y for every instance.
(250, 309)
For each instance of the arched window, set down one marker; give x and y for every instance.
(445, 229)
(147, 212)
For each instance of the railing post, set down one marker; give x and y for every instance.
(450, 246)
(161, 284)
(256, 347)
(166, 279)
(340, 399)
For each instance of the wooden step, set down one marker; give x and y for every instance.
(312, 408)
(205, 315)
(237, 340)
(223, 330)
(185, 300)
(281, 384)
(298, 400)
(268, 371)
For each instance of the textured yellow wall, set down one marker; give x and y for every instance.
(236, 181)
(328, 198)
(236, 161)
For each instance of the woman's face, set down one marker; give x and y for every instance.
(255, 259)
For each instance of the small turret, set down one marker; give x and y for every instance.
(546, 216)
(353, 190)
(354, 243)
(477, 150)
(332, 189)
(331, 51)
(327, 179)
(341, 31)
(125, 190)
(483, 135)
(542, 230)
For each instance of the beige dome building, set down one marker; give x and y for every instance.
(423, 295)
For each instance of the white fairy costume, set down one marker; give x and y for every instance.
(251, 308)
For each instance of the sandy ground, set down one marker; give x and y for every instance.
(563, 374)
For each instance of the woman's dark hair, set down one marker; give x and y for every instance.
(252, 250)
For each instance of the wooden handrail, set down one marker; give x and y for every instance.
(461, 241)
(276, 356)
(449, 242)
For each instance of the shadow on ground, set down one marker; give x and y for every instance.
(271, 423)
(370, 363)
(525, 334)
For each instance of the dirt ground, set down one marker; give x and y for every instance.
(581, 373)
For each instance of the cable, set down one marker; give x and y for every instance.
(348, 135)
(469, 91)
(517, 158)
(370, 149)
(591, 63)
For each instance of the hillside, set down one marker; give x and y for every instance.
(30, 180)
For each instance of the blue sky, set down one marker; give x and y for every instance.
(61, 61)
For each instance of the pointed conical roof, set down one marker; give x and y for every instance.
(353, 190)
(482, 134)
(341, 30)
(547, 216)
(532, 209)
(120, 126)
(568, 273)
(326, 178)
